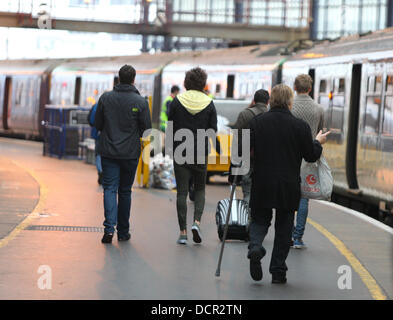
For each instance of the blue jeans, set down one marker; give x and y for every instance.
(301, 219)
(98, 163)
(118, 177)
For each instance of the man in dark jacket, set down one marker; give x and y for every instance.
(258, 106)
(279, 142)
(122, 117)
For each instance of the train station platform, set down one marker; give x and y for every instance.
(51, 214)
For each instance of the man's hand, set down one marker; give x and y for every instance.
(322, 137)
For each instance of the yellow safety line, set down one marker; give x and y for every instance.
(39, 206)
(371, 284)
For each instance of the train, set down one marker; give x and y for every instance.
(353, 82)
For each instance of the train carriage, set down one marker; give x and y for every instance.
(23, 95)
(352, 82)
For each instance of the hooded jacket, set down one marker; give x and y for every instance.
(193, 110)
(122, 117)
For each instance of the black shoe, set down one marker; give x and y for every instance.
(279, 278)
(255, 255)
(124, 238)
(107, 238)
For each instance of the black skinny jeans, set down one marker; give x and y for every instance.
(183, 173)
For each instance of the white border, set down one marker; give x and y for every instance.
(359, 215)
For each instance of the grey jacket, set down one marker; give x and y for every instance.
(244, 118)
(305, 108)
(122, 116)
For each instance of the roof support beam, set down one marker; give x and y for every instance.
(175, 29)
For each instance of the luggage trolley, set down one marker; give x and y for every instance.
(65, 129)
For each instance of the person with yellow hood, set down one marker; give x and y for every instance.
(190, 112)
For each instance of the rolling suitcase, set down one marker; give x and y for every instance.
(238, 221)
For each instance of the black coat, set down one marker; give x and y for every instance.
(279, 142)
(122, 117)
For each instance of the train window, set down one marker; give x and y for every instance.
(19, 93)
(389, 84)
(388, 116)
(378, 84)
(218, 88)
(370, 87)
(341, 85)
(337, 116)
(322, 86)
(371, 117)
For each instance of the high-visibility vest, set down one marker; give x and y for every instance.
(164, 113)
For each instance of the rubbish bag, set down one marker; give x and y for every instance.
(316, 180)
(162, 175)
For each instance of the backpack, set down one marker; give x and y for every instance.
(90, 118)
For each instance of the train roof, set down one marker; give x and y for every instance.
(28, 66)
(263, 57)
(357, 48)
(143, 63)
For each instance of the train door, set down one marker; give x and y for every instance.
(7, 101)
(353, 124)
(77, 92)
(311, 73)
(230, 85)
(2, 87)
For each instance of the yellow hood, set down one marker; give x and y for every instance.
(194, 101)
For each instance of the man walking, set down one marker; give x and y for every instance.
(165, 108)
(258, 106)
(122, 116)
(279, 142)
(305, 108)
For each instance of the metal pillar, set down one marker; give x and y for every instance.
(146, 6)
(238, 11)
(168, 46)
(360, 16)
(389, 20)
(314, 19)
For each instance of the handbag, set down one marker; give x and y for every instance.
(316, 180)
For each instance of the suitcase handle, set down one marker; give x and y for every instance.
(233, 186)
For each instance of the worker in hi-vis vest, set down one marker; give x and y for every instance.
(165, 107)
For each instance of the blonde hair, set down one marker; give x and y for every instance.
(281, 97)
(303, 83)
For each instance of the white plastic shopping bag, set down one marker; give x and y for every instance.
(316, 180)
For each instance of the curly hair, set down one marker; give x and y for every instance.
(195, 79)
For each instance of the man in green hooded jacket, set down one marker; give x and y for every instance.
(165, 107)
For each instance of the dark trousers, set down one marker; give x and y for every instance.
(118, 177)
(260, 223)
(183, 174)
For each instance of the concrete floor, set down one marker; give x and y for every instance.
(152, 265)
